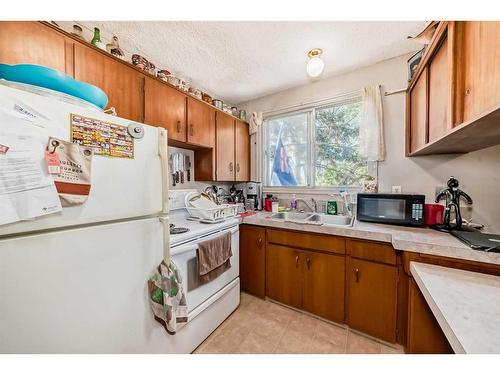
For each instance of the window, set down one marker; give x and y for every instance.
(317, 147)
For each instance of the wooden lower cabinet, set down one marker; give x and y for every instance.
(307, 280)
(424, 333)
(323, 288)
(253, 260)
(372, 298)
(284, 274)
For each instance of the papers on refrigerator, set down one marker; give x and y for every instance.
(26, 190)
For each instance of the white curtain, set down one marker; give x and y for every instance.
(371, 129)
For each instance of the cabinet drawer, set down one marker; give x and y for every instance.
(308, 241)
(371, 251)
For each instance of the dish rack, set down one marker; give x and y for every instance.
(205, 210)
(217, 214)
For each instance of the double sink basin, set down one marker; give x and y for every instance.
(314, 218)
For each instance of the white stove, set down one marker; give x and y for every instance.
(180, 219)
(209, 304)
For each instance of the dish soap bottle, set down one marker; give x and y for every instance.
(293, 203)
(96, 40)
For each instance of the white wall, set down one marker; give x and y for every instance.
(478, 172)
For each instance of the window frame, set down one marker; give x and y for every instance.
(310, 110)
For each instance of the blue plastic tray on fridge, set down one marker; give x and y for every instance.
(49, 78)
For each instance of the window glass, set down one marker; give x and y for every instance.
(329, 135)
(287, 162)
(338, 161)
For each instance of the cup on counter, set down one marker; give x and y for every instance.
(433, 214)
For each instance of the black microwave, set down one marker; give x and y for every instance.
(398, 209)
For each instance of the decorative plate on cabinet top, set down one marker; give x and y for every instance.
(42, 76)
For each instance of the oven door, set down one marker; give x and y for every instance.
(184, 256)
(384, 208)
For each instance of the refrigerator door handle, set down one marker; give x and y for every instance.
(163, 152)
(166, 239)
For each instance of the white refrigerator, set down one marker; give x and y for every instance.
(76, 281)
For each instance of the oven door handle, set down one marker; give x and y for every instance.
(190, 247)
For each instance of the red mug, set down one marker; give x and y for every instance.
(433, 214)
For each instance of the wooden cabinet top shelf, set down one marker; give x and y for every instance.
(130, 65)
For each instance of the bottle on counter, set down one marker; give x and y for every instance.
(293, 203)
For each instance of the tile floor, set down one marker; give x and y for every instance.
(264, 327)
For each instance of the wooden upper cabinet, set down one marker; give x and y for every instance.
(439, 92)
(284, 274)
(242, 151)
(456, 91)
(33, 43)
(253, 259)
(225, 147)
(418, 112)
(481, 67)
(165, 107)
(323, 291)
(123, 85)
(371, 298)
(200, 123)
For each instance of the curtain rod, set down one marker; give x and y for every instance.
(394, 92)
(313, 102)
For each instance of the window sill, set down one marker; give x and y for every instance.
(311, 190)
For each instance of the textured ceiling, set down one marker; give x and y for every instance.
(238, 61)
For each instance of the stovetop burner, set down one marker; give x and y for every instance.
(178, 230)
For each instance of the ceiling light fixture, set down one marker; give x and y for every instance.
(315, 65)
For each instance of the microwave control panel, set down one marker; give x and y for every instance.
(417, 212)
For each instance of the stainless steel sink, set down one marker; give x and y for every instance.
(295, 216)
(339, 220)
(314, 218)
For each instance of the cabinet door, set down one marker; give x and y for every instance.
(253, 260)
(481, 67)
(201, 123)
(165, 107)
(418, 112)
(323, 292)
(283, 274)
(424, 333)
(242, 151)
(439, 93)
(123, 85)
(372, 297)
(32, 43)
(225, 148)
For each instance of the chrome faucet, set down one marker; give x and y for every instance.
(313, 208)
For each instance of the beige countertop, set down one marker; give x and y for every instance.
(418, 240)
(466, 306)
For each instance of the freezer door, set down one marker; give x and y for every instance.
(121, 188)
(81, 291)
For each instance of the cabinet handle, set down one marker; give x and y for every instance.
(191, 130)
(308, 261)
(260, 242)
(237, 167)
(230, 166)
(178, 126)
(467, 91)
(296, 261)
(357, 275)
